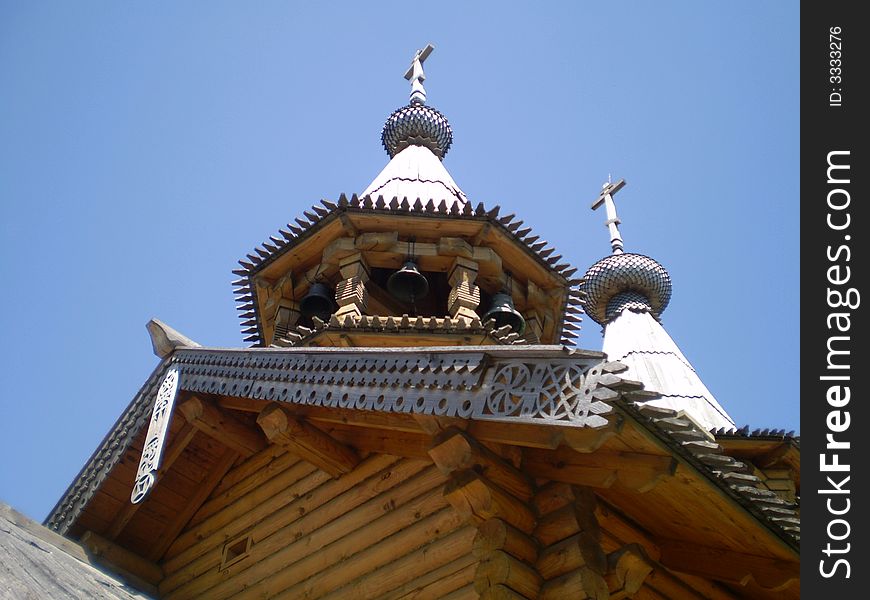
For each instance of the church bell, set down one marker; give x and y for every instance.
(408, 283)
(503, 312)
(318, 302)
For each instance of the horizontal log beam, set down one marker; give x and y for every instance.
(119, 559)
(501, 568)
(307, 441)
(222, 426)
(628, 567)
(495, 534)
(477, 499)
(728, 565)
(455, 450)
(631, 470)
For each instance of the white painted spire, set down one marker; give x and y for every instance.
(417, 137)
(626, 293)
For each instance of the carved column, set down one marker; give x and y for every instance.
(540, 312)
(351, 294)
(534, 326)
(464, 295)
(286, 317)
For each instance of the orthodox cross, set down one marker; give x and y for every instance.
(612, 222)
(415, 75)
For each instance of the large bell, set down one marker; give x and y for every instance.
(318, 302)
(408, 283)
(503, 312)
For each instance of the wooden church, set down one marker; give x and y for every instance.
(413, 420)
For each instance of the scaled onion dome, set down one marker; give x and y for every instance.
(417, 125)
(625, 280)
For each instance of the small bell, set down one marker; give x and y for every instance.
(408, 283)
(318, 302)
(503, 312)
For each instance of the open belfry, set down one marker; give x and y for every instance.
(413, 420)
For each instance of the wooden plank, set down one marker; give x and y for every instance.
(380, 441)
(455, 450)
(179, 443)
(624, 530)
(478, 499)
(517, 434)
(221, 426)
(306, 441)
(172, 529)
(588, 439)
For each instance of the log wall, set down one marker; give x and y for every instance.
(383, 530)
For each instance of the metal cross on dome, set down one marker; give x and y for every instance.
(612, 222)
(415, 75)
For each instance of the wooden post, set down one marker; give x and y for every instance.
(351, 294)
(464, 296)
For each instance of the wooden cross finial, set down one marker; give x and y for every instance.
(415, 74)
(612, 222)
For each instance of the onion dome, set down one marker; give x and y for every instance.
(626, 280)
(417, 125)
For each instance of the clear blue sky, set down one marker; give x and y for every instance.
(147, 146)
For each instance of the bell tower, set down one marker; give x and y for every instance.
(409, 262)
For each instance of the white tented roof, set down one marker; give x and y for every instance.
(639, 341)
(414, 173)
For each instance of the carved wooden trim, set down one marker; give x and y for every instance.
(155, 439)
